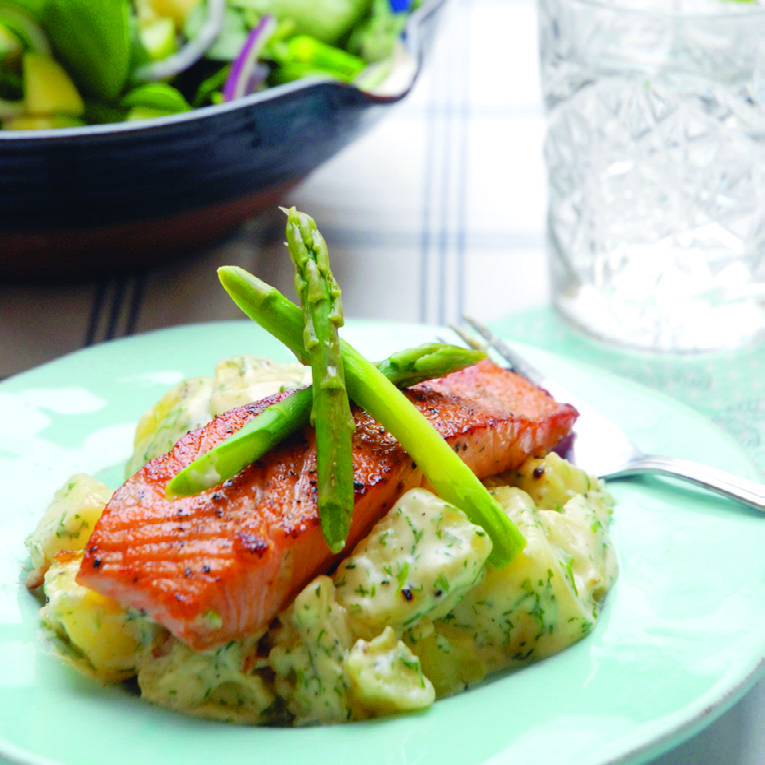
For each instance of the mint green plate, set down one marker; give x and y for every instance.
(680, 639)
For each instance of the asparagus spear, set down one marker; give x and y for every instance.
(426, 361)
(331, 409)
(371, 390)
(292, 412)
(245, 446)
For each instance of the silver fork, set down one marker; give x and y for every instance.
(601, 448)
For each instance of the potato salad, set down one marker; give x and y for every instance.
(415, 613)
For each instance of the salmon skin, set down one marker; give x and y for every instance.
(222, 564)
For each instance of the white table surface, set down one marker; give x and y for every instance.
(437, 212)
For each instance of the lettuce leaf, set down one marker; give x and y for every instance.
(328, 21)
(92, 40)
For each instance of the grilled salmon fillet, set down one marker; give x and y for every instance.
(222, 564)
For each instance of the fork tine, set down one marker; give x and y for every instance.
(468, 339)
(517, 363)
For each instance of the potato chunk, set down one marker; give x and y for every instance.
(106, 640)
(67, 523)
(418, 561)
(386, 677)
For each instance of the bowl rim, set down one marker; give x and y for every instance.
(411, 42)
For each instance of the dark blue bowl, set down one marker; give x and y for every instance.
(94, 199)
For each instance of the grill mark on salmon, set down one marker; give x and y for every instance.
(222, 564)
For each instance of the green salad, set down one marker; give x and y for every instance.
(65, 63)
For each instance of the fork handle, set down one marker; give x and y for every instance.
(727, 484)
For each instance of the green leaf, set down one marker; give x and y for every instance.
(302, 56)
(33, 7)
(92, 41)
(329, 21)
(231, 39)
(21, 22)
(100, 113)
(210, 86)
(10, 48)
(157, 96)
(375, 38)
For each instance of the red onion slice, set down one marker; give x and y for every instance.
(239, 81)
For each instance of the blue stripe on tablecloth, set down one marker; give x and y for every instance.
(427, 189)
(444, 210)
(136, 301)
(435, 183)
(464, 114)
(115, 307)
(118, 298)
(96, 307)
(447, 82)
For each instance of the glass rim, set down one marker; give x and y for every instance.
(729, 9)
